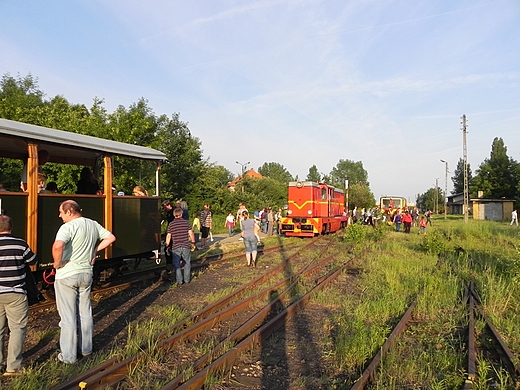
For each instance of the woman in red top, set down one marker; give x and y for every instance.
(407, 221)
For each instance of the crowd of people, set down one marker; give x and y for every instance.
(404, 218)
(247, 225)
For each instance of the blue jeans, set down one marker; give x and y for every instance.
(13, 311)
(73, 303)
(178, 254)
(251, 244)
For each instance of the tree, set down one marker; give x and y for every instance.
(458, 178)
(21, 100)
(348, 170)
(276, 172)
(360, 196)
(430, 200)
(497, 176)
(260, 193)
(19, 97)
(313, 174)
(185, 164)
(211, 187)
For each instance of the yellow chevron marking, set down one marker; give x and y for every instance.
(311, 202)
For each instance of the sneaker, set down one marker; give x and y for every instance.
(12, 373)
(240, 239)
(60, 359)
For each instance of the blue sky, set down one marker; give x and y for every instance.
(300, 83)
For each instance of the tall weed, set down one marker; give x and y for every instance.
(434, 243)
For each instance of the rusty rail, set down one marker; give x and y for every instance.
(506, 356)
(114, 370)
(376, 361)
(226, 360)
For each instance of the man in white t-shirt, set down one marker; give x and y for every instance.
(74, 253)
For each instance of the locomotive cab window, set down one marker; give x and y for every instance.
(323, 194)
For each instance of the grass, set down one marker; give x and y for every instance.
(393, 269)
(435, 268)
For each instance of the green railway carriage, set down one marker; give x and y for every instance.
(135, 221)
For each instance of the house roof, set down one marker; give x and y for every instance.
(251, 173)
(487, 200)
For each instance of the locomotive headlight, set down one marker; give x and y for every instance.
(309, 212)
(289, 212)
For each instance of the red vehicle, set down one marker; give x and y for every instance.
(313, 208)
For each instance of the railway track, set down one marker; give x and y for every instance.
(489, 343)
(136, 276)
(232, 324)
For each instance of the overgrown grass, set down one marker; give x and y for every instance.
(435, 268)
(394, 269)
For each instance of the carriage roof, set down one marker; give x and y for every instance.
(65, 146)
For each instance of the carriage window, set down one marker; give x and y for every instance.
(323, 194)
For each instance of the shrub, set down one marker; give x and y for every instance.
(434, 243)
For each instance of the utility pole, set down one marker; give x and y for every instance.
(445, 190)
(436, 196)
(465, 159)
(346, 196)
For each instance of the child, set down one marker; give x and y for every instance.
(230, 224)
(422, 225)
(196, 228)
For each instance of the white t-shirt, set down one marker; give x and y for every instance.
(80, 236)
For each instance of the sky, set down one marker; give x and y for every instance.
(296, 82)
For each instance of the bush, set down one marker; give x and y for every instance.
(434, 243)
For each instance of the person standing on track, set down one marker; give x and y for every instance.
(181, 238)
(206, 224)
(15, 254)
(249, 233)
(74, 253)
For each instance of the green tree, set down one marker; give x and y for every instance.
(348, 170)
(497, 176)
(19, 97)
(260, 193)
(276, 172)
(22, 100)
(185, 164)
(430, 200)
(458, 177)
(360, 196)
(314, 174)
(212, 187)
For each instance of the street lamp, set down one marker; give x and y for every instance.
(445, 190)
(243, 167)
(243, 171)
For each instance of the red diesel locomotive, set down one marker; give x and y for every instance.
(313, 208)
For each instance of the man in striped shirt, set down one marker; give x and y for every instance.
(15, 254)
(206, 224)
(181, 238)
